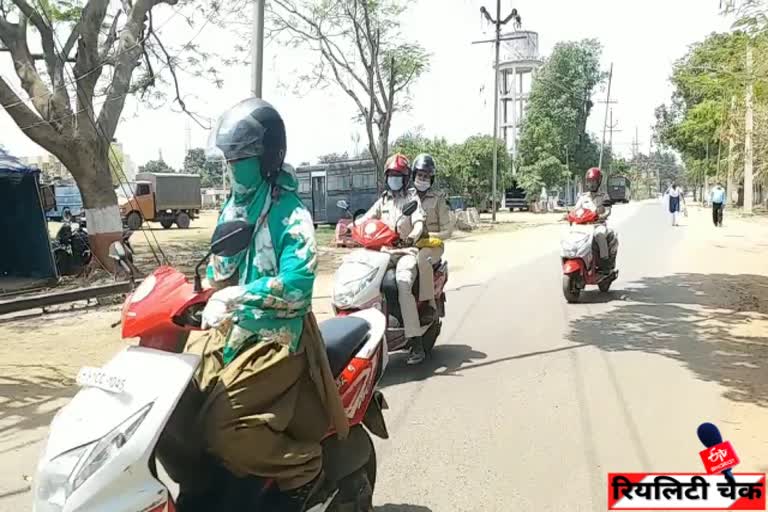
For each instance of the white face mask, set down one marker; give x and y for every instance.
(422, 184)
(395, 182)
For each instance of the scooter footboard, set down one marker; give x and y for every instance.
(341, 458)
(374, 417)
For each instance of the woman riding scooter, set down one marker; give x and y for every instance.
(270, 392)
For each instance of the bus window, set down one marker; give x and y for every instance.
(336, 183)
(304, 186)
(364, 180)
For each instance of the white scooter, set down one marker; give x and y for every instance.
(366, 279)
(103, 446)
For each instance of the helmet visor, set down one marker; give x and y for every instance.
(236, 135)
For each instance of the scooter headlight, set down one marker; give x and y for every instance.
(61, 476)
(52, 486)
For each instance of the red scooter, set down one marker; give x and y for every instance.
(578, 256)
(156, 378)
(366, 279)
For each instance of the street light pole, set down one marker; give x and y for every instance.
(257, 48)
(497, 43)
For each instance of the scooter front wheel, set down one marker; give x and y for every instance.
(571, 292)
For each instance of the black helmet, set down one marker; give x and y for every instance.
(252, 128)
(425, 163)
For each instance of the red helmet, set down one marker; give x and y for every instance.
(593, 178)
(397, 164)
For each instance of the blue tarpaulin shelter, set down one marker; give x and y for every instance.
(26, 260)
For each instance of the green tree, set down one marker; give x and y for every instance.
(472, 168)
(210, 171)
(556, 116)
(413, 143)
(361, 49)
(156, 166)
(707, 107)
(333, 157)
(74, 90)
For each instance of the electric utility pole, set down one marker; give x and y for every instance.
(605, 122)
(498, 22)
(257, 48)
(611, 129)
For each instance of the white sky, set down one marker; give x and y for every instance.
(641, 38)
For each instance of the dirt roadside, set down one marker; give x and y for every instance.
(723, 296)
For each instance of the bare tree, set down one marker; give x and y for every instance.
(361, 50)
(71, 105)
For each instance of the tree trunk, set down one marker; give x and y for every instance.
(89, 165)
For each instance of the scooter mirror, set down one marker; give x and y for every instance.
(342, 204)
(409, 208)
(117, 251)
(231, 237)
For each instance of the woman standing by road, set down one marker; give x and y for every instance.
(675, 201)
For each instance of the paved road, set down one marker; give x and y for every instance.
(529, 402)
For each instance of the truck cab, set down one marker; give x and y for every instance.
(167, 198)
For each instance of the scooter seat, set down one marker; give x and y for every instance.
(343, 337)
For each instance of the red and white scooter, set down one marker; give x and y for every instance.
(366, 279)
(578, 255)
(102, 447)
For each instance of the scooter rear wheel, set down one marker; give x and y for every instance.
(570, 291)
(356, 490)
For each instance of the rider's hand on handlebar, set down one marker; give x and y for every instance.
(220, 306)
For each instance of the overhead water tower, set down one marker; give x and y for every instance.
(518, 63)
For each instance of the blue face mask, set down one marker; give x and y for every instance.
(395, 183)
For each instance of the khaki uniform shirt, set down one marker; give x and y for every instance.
(389, 209)
(593, 201)
(438, 214)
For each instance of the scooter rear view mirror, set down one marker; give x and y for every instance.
(231, 237)
(342, 204)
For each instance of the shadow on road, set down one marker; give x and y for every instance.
(26, 403)
(402, 508)
(713, 323)
(444, 359)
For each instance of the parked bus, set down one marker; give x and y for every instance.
(619, 189)
(322, 186)
(69, 203)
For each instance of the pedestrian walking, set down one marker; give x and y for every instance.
(717, 198)
(675, 202)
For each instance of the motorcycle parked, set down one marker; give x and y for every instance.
(366, 279)
(72, 249)
(102, 448)
(578, 254)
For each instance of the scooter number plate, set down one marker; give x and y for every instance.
(98, 378)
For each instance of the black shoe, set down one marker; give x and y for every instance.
(417, 352)
(604, 266)
(296, 500)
